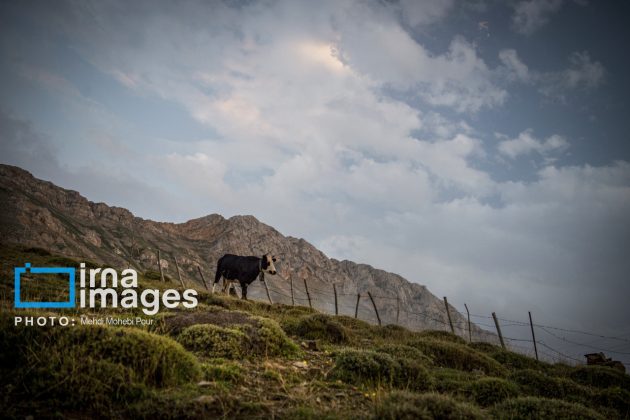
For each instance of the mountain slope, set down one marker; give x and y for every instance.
(38, 213)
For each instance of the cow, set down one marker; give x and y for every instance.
(243, 269)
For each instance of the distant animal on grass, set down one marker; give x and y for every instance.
(243, 269)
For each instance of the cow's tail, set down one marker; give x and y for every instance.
(217, 276)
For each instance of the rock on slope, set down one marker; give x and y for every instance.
(38, 213)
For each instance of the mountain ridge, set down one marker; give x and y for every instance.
(39, 213)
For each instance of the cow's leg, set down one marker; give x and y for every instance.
(244, 291)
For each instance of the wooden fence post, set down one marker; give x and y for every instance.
(496, 322)
(397, 308)
(448, 314)
(308, 295)
(160, 265)
(531, 324)
(179, 276)
(203, 280)
(469, 330)
(375, 309)
(336, 306)
(267, 290)
(292, 296)
(356, 310)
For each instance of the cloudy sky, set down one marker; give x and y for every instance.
(477, 147)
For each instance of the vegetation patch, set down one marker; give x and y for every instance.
(405, 405)
(489, 391)
(459, 356)
(442, 335)
(600, 377)
(219, 370)
(366, 367)
(319, 327)
(515, 361)
(214, 341)
(542, 408)
(402, 350)
(266, 338)
(90, 367)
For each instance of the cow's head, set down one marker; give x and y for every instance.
(266, 264)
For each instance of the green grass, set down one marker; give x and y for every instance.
(232, 358)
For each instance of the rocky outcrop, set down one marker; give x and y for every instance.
(39, 213)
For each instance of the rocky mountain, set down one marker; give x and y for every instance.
(38, 213)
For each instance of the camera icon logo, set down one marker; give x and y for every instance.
(70, 303)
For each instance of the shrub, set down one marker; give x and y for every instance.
(600, 377)
(214, 341)
(459, 356)
(442, 335)
(615, 398)
(401, 350)
(319, 327)
(373, 368)
(532, 382)
(484, 347)
(489, 391)
(226, 371)
(405, 405)
(453, 381)
(265, 337)
(94, 368)
(514, 361)
(542, 408)
(364, 366)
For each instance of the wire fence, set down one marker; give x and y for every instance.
(546, 342)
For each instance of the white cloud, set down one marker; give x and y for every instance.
(514, 69)
(531, 15)
(417, 13)
(582, 74)
(526, 144)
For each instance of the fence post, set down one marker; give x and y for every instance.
(356, 310)
(397, 309)
(308, 295)
(448, 314)
(292, 298)
(160, 265)
(531, 324)
(179, 276)
(496, 322)
(375, 309)
(267, 290)
(203, 280)
(469, 330)
(336, 306)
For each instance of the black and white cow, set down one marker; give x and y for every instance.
(243, 269)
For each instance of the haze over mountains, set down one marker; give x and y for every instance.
(38, 213)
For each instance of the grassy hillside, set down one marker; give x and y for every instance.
(233, 358)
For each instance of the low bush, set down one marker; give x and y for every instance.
(600, 377)
(489, 391)
(405, 405)
(266, 338)
(402, 350)
(615, 398)
(214, 341)
(94, 368)
(319, 327)
(442, 335)
(459, 356)
(222, 371)
(535, 383)
(542, 408)
(364, 367)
